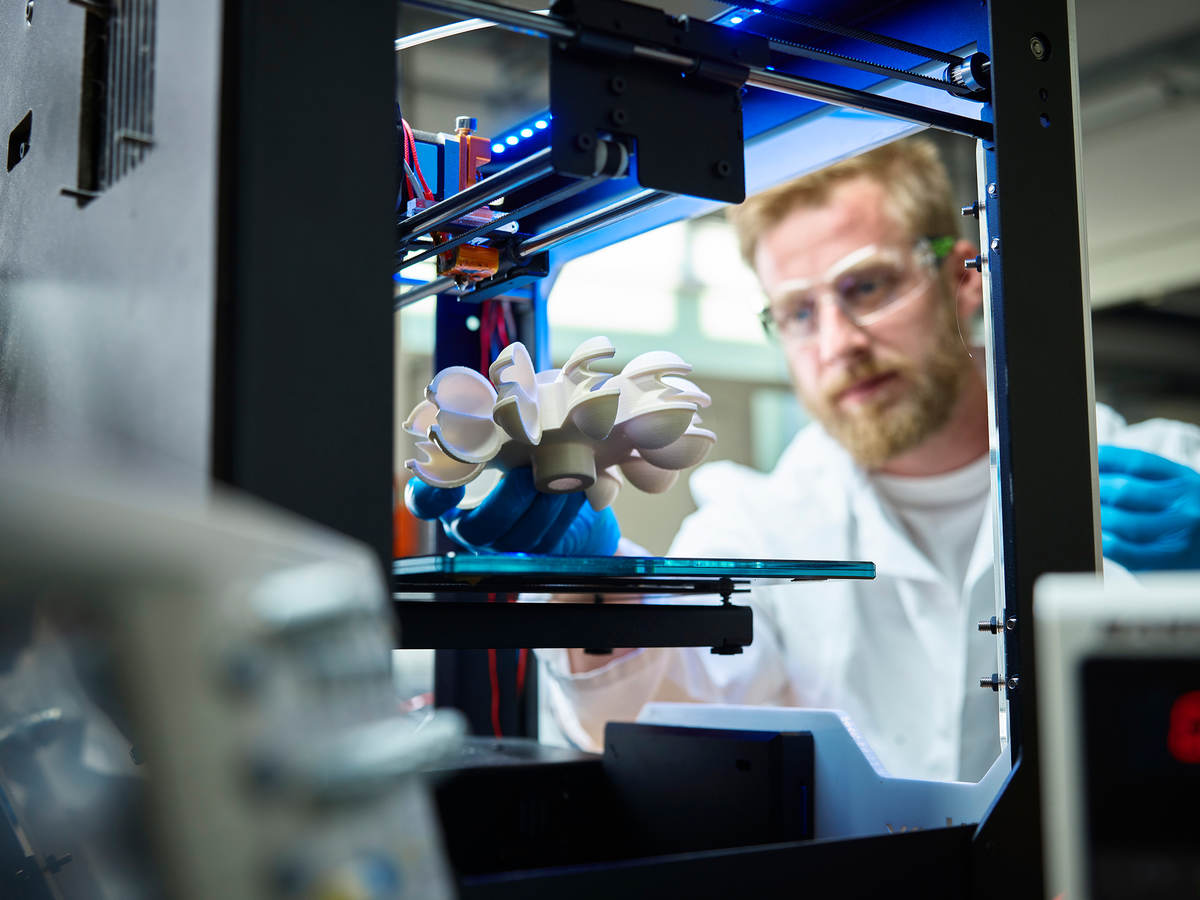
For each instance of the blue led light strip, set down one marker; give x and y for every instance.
(521, 133)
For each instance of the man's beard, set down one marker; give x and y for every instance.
(880, 429)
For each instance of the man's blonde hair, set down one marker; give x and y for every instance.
(912, 175)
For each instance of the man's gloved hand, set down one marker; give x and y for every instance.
(516, 517)
(1149, 510)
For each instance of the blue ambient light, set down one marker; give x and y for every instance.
(498, 148)
(736, 20)
(526, 132)
(511, 140)
(540, 124)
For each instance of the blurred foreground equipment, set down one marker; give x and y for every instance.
(196, 701)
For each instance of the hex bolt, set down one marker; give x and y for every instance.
(995, 245)
(585, 141)
(1011, 623)
(992, 190)
(618, 115)
(1039, 47)
(616, 84)
(990, 681)
(976, 263)
(990, 626)
(972, 210)
(466, 123)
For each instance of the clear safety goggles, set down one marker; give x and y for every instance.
(866, 285)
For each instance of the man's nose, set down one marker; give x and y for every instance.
(837, 334)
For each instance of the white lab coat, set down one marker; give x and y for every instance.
(900, 654)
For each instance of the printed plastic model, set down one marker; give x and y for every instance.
(582, 429)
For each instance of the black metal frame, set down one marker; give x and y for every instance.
(1044, 397)
(302, 402)
(928, 864)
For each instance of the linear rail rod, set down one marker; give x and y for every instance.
(421, 291)
(515, 176)
(876, 103)
(588, 223)
(505, 16)
(556, 196)
(778, 82)
(531, 246)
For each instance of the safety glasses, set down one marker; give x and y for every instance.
(867, 285)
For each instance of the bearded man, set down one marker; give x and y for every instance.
(869, 298)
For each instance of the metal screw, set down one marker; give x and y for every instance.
(617, 84)
(972, 210)
(1038, 47)
(1011, 623)
(618, 116)
(994, 681)
(995, 244)
(28, 12)
(22, 150)
(466, 123)
(991, 625)
(976, 263)
(585, 141)
(992, 189)
(722, 168)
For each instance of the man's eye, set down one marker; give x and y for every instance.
(800, 312)
(867, 287)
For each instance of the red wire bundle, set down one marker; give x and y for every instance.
(494, 674)
(410, 157)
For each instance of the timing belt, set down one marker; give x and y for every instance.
(860, 34)
(854, 62)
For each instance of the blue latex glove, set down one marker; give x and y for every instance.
(516, 517)
(1149, 510)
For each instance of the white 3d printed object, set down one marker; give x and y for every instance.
(577, 426)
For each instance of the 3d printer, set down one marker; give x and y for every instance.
(182, 296)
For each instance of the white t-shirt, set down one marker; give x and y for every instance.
(941, 513)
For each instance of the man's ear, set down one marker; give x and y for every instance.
(965, 284)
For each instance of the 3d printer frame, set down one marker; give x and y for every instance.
(1021, 75)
